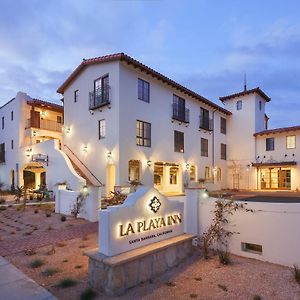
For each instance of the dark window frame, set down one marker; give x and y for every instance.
(76, 94)
(204, 147)
(223, 151)
(270, 144)
(12, 144)
(204, 118)
(239, 105)
(178, 141)
(223, 125)
(2, 153)
(143, 133)
(143, 90)
(100, 135)
(2, 122)
(12, 115)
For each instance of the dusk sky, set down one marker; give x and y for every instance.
(204, 45)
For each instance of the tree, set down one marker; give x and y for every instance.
(79, 204)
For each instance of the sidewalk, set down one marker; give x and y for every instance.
(15, 285)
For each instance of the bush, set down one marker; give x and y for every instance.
(36, 263)
(88, 294)
(256, 297)
(224, 257)
(2, 208)
(36, 211)
(2, 201)
(296, 272)
(66, 282)
(50, 272)
(63, 218)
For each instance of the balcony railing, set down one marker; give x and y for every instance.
(44, 124)
(206, 124)
(99, 97)
(180, 113)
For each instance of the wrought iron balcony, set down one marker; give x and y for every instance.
(206, 123)
(180, 113)
(99, 97)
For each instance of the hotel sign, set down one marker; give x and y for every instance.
(145, 217)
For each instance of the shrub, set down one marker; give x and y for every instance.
(2, 201)
(88, 294)
(224, 257)
(63, 218)
(296, 272)
(78, 266)
(66, 282)
(256, 297)
(36, 263)
(36, 211)
(50, 272)
(2, 208)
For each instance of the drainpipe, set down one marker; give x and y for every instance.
(213, 145)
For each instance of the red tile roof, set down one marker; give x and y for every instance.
(46, 104)
(277, 130)
(247, 92)
(131, 61)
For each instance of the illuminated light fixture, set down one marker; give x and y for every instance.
(28, 151)
(187, 165)
(181, 150)
(205, 194)
(109, 155)
(43, 114)
(248, 168)
(68, 129)
(85, 188)
(149, 163)
(85, 148)
(33, 133)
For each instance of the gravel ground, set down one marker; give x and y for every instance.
(194, 279)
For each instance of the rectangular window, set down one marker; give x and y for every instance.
(270, 144)
(178, 141)
(239, 105)
(2, 122)
(223, 151)
(204, 119)
(223, 125)
(76, 94)
(291, 142)
(252, 248)
(193, 173)
(59, 119)
(204, 147)
(143, 90)
(143, 133)
(12, 115)
(180, 113)
(206, 173)
(260, 105)
(12, 144)
(102, 129)
(2, 153)
(101, 90)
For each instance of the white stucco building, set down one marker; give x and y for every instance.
(124, 121)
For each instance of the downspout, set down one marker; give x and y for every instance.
(213, 145)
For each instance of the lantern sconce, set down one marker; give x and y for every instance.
(149, 163)
(85, 148)
(68, 130)
(85, 189)
(109, 155)
(28, 151)
(33, 133)
(187, 165)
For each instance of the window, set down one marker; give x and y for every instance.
(207, 173)
(223, 151)
(2, 153)
(134, 170)
(11, 115)
(143, 134)
(12, 144)
(252, 248)
(180, 113)
(204, 119)
(239, 105)
(291, 142)
(192, 173)
(270, 144)
(101, 89)
(102, 129)
(143, 90)
(76, 94)
(260, 105)
(2, 122)
(219, 174)
(178, 141)
(204, 147)
(59, 119)
(173, 175)
(223, 125)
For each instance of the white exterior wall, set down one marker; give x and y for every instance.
(242, 124)
(84, 125)
(279, 153)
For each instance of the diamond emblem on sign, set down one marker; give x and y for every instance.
(155, 204)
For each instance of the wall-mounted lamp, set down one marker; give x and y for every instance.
(28, 151)
(248, 168)
(85, 148)
(109, 155)
(43, 114)
(33, 133)
(68, 130)
(187, 165)
(85, 189)
(149, 163)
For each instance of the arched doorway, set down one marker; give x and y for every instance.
(34, 176)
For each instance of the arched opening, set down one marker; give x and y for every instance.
(34, 176)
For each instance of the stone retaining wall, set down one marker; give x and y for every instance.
(114, 275)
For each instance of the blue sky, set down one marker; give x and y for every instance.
(205, 45)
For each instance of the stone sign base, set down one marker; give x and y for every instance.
(114, 275)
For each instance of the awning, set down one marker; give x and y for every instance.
(275, 164)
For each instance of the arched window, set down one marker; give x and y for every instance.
(219, 174)
(134, 170)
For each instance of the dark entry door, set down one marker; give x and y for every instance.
(35, 118)
(29, 179)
